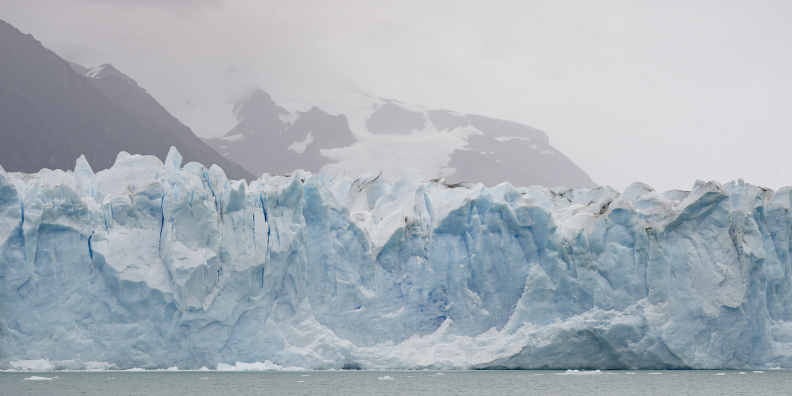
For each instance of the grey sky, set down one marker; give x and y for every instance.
(660, 92)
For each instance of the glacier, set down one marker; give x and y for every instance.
(151, 265)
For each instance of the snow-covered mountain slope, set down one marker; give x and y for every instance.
(371, 133)
(52, 112)
(157, 265)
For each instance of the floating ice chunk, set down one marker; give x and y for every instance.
(387, 378)
(759, 372)
(37, 378)
(741, 372)
(720, 374)
(629, 372)
(204, 378)
(577, 372)
(440, 374)
(654, 373)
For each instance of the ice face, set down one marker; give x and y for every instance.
(153, 265)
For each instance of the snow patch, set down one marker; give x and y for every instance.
(289, 118)
(507, 138)
(233, 138)
(299, 147)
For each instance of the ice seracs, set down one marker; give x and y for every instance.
(162, 265)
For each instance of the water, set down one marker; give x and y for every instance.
(403, 383)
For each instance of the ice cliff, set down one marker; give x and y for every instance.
(157, 265)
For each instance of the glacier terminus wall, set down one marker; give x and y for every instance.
(152, 265)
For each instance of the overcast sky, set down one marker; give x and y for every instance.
(661, 92)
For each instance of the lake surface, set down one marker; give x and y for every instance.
(402, 383)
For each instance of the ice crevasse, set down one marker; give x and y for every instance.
(152, 265)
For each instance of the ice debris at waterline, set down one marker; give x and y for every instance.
(146, 265)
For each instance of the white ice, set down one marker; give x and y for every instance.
(156, 266)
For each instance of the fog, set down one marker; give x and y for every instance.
(663, 92)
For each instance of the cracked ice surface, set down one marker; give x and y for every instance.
(158, 266)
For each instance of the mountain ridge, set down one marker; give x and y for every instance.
(51, 114)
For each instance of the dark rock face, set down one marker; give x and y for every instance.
(269, 139)
(50, 114)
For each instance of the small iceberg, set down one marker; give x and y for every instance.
(206, 378)
(386, 378)
(576, 372)
(720, 374)
(440, 374)
(37, 378)
(741, 372)
(654, 373)
(630, 372)
(758, 372)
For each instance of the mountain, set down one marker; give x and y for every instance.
(388, 135)
(50, 114)
(270, 139)
(153, 265)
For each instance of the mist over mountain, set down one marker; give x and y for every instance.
(270, 139)
(51, 112)
(374, 133)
